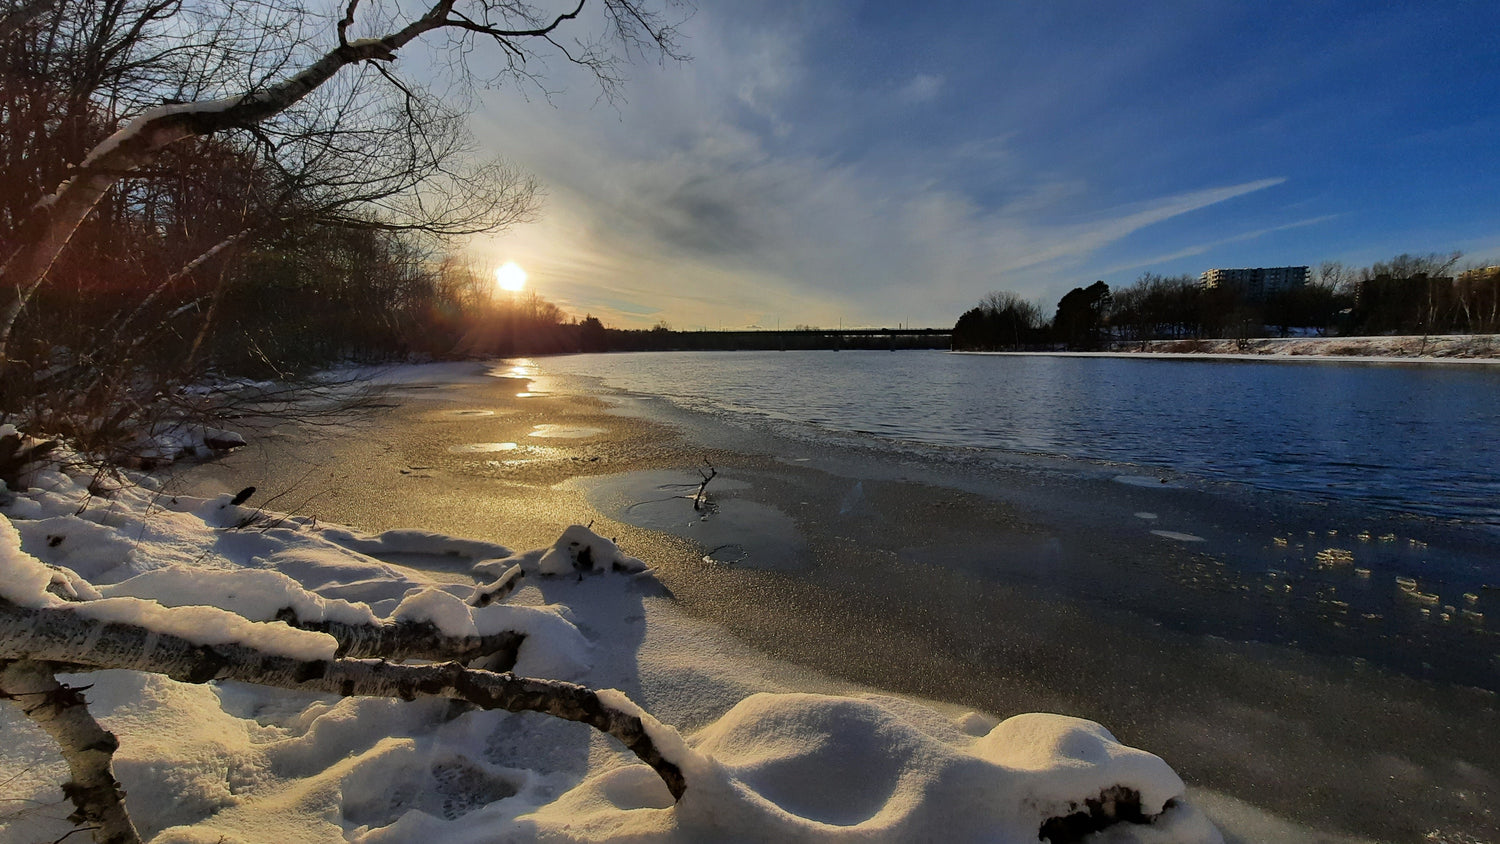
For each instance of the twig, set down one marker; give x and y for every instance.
(703, 487)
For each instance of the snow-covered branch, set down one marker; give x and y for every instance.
(76, 642)
(403, 640)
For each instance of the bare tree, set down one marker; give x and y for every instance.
(1334, 276)
(229, 231)
(520, 32)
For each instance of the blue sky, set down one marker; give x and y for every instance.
(881, 163)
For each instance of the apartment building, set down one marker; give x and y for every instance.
(1256, 283)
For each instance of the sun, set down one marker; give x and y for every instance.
(510, 277)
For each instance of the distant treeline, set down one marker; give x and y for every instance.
(595, 337)
(1409, 294)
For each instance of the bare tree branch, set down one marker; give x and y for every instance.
(18, 17)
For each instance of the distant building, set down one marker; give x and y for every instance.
(1257, 283)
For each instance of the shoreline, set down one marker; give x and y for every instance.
(899, 571)
(1189, 357)
(1440, 348)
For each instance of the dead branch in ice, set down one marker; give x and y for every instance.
(703, 487)
(87, 747)
(71, 641)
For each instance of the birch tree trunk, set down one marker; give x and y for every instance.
(73, 642)
(86, 747)
(408, 640)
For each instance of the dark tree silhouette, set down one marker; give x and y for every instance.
(1080, 316)
(1003, 320)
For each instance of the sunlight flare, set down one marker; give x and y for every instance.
(510, 277)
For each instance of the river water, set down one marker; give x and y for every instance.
(1407, 438)
(1351, 509)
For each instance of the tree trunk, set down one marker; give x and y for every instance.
(409, 640)
(75, 642)
(87, 747)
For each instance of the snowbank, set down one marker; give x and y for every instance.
(802, 767)
(243, 763)
(1457, 347)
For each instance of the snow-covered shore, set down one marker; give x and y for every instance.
(771, 754)
(1453, 348)
(1457, 349)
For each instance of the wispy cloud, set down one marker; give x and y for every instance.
(745, 186)
(920, 88)
(1203, 248)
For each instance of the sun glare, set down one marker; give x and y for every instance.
(510, 276)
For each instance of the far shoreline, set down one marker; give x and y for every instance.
(1205, 357)
(1481, 349)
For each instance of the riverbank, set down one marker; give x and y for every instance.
(1004, 588)
(1457, 349)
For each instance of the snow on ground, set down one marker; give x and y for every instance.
(1458, 348)
(765, 757)
(1446, 347)
(1455, 348)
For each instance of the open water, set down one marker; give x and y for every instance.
(1421, 439)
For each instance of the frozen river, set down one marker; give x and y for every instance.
(1332, 524)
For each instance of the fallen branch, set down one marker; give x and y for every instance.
(78, 643)
(703, 487)
(393, 640)
(497, 591)
(87, 747)
(404, 640)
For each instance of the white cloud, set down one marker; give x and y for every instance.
(699, 203)
(921, 88)
(1201, 248)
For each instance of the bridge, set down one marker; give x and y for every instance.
(787, 339)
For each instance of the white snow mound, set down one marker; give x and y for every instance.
(806, 767)
(580, 549)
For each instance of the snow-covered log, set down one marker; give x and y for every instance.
(78, 643)
(367, 637)
(404, 640)
(87, 747)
